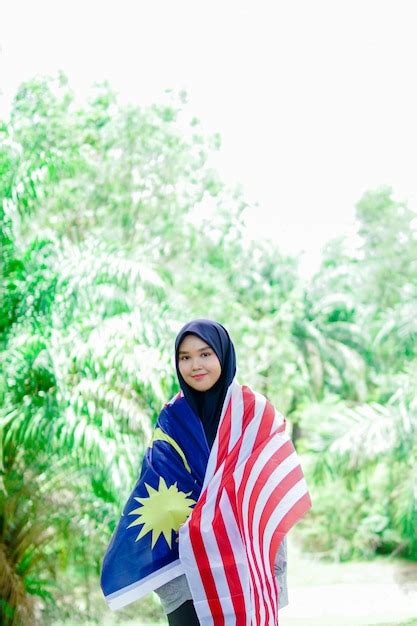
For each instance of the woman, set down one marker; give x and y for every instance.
(206, 366)
(222, 449)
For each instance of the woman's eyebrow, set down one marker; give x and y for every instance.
(199, 350)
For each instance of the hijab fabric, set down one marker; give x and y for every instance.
(208, 404)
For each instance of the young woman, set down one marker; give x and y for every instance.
(229, 486)
(206, 366)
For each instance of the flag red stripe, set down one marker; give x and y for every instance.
(265, 425)
(249, 413)
(248, 406)
(279, 456)
(264, 429)
(294, 515)
(264, 590)
(220, 531)
(203, 563)
(230, 570)
(233, 455)
(291, 479)
(275, 497)
(232, 578)
(224, 435)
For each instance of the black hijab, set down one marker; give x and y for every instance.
(208, 404)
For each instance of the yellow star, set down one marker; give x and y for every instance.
(164, 510)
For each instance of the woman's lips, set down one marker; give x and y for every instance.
(199, 376)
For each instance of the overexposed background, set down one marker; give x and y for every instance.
(315, 101)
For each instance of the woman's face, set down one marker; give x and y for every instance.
(198, 363)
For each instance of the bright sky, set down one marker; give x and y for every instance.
(315, 100)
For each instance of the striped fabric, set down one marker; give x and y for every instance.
(253, 493)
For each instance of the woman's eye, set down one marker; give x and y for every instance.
(205, 354)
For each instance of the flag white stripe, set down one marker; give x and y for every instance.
(212, 462)
(212, 549)
(247, 446)
(288, 501)
(249, 438)
(192, 573)
(253, 571)
(239, 552)
(275, 478)
(210, 543)
(234, 394)
(237, 416)
(266, 454)
(279, 419)
(185, 547)
(256, 578)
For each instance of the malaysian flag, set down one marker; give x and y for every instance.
(143, 552)
(243, 497)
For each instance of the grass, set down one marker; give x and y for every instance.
(412, 623)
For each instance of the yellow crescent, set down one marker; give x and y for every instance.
(159, 435)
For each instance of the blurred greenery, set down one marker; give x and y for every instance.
(115, 230)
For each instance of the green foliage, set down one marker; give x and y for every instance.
(114, 231)
(387, 228)
(369, 440)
